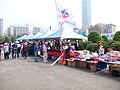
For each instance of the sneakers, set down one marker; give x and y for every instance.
(45, 61)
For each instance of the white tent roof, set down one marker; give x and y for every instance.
(24, 36)
(70, 34)
(36, 35)
(66, 33)
(47, 33)
(28, 37)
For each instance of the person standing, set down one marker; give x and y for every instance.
(0, 50)
(66, 54)
(6, 51)
(101, 49)
(14, 50)
(44, 51)
(18, 49)
(63, 61)
(25, 50)
(36, 51)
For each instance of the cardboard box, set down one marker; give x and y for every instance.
(71, 63)
(82, 64)
(114, 67)
(77, 64)
(93, 67)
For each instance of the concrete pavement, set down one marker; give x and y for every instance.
(28, 75)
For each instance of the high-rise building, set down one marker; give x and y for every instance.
(22, 29)
(104, 29)
(1, 26)
(86, 14)
(17, 30)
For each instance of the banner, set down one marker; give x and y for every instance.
(64, 16)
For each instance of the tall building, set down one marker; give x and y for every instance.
(22, 29)
(104, 29)
(86, 14)
(17, 30)
(1, 26)
(36, 29)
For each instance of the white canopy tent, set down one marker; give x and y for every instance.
(28, 37)
(24, 36)
(66, 34)
(36, 35)
(45, 34)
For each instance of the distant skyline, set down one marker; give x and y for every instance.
(43, 12)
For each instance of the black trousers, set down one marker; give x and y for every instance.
(6, 55)
(25, 54)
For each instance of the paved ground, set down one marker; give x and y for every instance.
(29, 75)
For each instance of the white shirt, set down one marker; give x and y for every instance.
(6, 49)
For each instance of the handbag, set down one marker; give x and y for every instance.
(39, 52)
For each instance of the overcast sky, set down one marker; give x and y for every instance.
(43, 12)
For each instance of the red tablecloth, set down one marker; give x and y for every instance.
(57, 54)
(53, 53)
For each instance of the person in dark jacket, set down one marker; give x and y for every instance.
(25, 50)
(0, 50)
(67, 52)
(14, 50)
(18, 49)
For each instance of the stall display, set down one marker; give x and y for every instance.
(95, 62)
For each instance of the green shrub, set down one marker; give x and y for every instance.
(94, 37)
(92, 47)
(117, 36)
(86, 43)
(111, 42)
(105, 39)
(81, 45)
(72, 43)
(116, 46)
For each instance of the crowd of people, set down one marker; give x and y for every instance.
(13, 49)
(17, 49)
(23, 49)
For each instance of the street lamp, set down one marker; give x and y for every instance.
(50, 27)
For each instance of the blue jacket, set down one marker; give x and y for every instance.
(36, 48)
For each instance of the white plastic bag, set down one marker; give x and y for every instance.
(2, 54)
(39, 53)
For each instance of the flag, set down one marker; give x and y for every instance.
(61, 25)
(65, 16)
